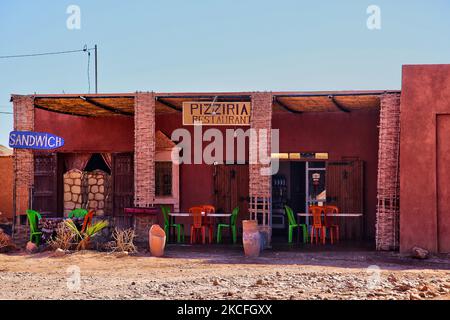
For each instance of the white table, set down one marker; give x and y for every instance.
(332, 215)
(172, 216)
(341, 214)
(187, 214)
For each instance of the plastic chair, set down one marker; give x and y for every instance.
(317, 227)
(197, 225)
(208, 221)
(232, 225)
(331, 223)
(87, 220)
(33, 220)
(178, 226)
(77, 213)
(293, 224)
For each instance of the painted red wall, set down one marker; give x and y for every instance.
(82, 134)
(425, 94)
(340, 134)
(354, 135)
(196, 180)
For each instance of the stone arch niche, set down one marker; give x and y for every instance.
(88, 189)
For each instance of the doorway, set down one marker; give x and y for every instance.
(231, 183)
(298, 185)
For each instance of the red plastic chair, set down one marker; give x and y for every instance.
(208, 221)
(197, 224)
(87, 220)
(317, 228)
(331, 222)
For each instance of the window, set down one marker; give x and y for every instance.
(163, 177)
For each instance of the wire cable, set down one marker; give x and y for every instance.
(46, 53)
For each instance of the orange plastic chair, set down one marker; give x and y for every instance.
(208, 221)
(197, 224)
(317, 227)
(331, 222)
(87, 220)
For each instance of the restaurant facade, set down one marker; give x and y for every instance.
(379, 156)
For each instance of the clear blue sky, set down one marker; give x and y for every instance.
(220, 45)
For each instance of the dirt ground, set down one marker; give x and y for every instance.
(198, 272)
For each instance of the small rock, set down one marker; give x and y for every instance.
(259, 282)
(59, 253)
(215, 282)
(392, 279)
(133, 283)
(423, 288)
(422, 294)
(413, 296)
(419, 253)
(122, 254)
(31, 247)
(229, 293)
(403, 287)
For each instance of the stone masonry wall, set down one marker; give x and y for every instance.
(86, 190)
(144, 149)
(72, 190)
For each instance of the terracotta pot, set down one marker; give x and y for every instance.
(157, 240)
(251, 238)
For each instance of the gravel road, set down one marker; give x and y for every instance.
(219, 273)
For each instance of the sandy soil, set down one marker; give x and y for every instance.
(223, 273)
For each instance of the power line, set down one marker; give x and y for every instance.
(85, 49)
(1, 112)
(46, 53)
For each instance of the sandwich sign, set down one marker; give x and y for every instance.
(34, 140)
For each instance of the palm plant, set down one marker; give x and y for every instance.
(85, 236)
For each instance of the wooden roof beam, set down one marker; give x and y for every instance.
(285, 107)
(168, 104)
(37, 106)
(337, 104)
(105, 107)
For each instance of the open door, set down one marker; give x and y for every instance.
(345, 189)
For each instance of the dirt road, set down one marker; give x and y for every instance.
(218, 273)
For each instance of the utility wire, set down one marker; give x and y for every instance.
(46, 53)
(1, 112)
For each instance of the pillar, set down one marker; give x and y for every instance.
(388, 180)
(144, 149)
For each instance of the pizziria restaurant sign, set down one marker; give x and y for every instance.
(217, 113)
(34, 140)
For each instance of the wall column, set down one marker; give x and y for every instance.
(388, 181)
(260, 185)
(144, 149)
(23, 159)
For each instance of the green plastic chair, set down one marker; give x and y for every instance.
(179, 226)
(77, 213)
(232, 225)
(293, 224)
(33, 220)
